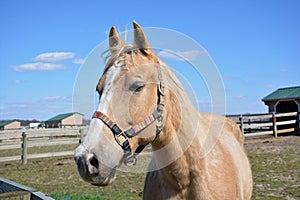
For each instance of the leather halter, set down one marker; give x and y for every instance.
(122, 137)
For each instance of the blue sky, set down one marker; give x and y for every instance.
(254, 44)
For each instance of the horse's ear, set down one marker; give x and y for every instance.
(114, 40)
(140, 40)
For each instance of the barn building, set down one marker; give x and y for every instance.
(65, 120)
(284, 100)
(10, 124)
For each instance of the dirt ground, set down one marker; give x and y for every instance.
(275, 166)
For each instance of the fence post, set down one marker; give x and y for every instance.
(274, 124)
(298, 120)
(82, 132)
(24, 147)
(242, 124)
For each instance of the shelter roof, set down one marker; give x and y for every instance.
(7, 122)
(284, 93)
(62, 116)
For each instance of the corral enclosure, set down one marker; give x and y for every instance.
(20, 142)
(51, 169)
(267, 123)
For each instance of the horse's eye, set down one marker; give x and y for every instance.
(137, 86)
(140, 88)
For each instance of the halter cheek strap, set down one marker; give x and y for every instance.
(122, 137)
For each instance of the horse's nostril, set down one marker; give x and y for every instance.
(94, 162)
(76, 159)
(93, 165)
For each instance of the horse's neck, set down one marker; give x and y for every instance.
(176, 161)
(177, 145)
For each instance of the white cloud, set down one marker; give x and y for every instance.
(19, 105)
(39, 66)
(54, 56)
(180, 55)
(41, 109)
(240, 97)
(79, 61)
(56, 98)
(21, 81)
(17, 81)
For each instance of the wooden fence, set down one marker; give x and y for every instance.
(267, 124)
(251, 125)
(24, 139)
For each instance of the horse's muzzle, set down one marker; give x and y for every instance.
(89, 170)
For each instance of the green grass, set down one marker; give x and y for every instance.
(58, 178)
(105, 195)
(275, 167)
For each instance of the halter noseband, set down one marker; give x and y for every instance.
(122, 137)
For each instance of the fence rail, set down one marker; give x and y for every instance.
(250, 125)
(23, 140)
(267, 124)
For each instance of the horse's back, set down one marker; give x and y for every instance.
(227, 161)
(228, 126)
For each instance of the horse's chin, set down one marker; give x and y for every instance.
(100, 181)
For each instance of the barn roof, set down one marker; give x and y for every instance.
(62, 116)
(284, 93)
(7, 122)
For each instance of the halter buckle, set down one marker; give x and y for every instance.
(121, 139)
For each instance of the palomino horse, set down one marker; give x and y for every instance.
(195, 156)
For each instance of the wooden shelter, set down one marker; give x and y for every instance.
(65, 120)
(284, 100)
(10, 124)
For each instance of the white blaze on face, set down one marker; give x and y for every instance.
(96, 140)
(107, 92)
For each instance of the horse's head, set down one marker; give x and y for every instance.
(129, 109)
